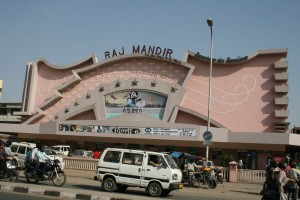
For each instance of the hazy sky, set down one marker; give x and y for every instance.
(66, 31)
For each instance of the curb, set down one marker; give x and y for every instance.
(52, 193)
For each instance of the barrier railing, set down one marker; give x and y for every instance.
(81, 163)
(249, 175)
(244, 175)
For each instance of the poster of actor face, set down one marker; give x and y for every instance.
(135, 101)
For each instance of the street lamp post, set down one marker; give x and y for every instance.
(210, 24)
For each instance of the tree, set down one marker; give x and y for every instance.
(225, 159)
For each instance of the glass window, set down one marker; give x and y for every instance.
(14, 148)
(171, 162)
(112, 156)
(22, 150)
(132, 158)
(156, 160)
(216, 154)
(127, 158)
(138, 159)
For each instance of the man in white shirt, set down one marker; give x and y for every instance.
(8, 150)
(191, 167)
(33, 161)
(42, 157)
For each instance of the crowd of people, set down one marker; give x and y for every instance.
(284, 178)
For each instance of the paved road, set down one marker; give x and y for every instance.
(80, 184)
(20, 196)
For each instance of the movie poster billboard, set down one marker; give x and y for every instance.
(135, 101)
(191, 132)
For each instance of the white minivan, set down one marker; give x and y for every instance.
(122, 168)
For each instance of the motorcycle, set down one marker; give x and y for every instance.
(52, 172)
(218, 175)
(11, 170)
(204, 177)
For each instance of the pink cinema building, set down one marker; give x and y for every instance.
(143, 98)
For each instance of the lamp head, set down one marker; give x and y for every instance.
(210, 22)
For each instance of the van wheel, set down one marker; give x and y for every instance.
(109, 185)
(121, 188)
(154, 190)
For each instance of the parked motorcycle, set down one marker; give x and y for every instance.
(11, 170)
(219, 175)
(53, 172)
(204, 177)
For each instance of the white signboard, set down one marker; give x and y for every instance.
(190, 132)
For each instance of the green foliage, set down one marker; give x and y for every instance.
(225, 159)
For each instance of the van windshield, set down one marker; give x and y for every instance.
(171, 162)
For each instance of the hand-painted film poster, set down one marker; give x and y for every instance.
(135, 101)
(191, 132)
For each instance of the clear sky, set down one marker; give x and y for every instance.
(66, 31)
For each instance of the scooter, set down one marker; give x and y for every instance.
(11, 170)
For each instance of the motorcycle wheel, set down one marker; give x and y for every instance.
(31, 179)
(212, 183)
(59, 179)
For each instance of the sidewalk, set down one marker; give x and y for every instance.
(84, 187)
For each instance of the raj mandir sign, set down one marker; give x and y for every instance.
(154, 50)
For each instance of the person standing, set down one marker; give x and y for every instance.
(241, 163)
(96, 154)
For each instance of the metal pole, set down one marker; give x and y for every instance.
(210, 24)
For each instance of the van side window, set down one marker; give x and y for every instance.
(132, 158)
(112, 156)
(127, 158)
(138, 159)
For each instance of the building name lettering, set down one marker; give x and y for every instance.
(153, 50)
(221, 60)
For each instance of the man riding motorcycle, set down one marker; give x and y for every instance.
(3, 157)
(8, 150)
(39, 158)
